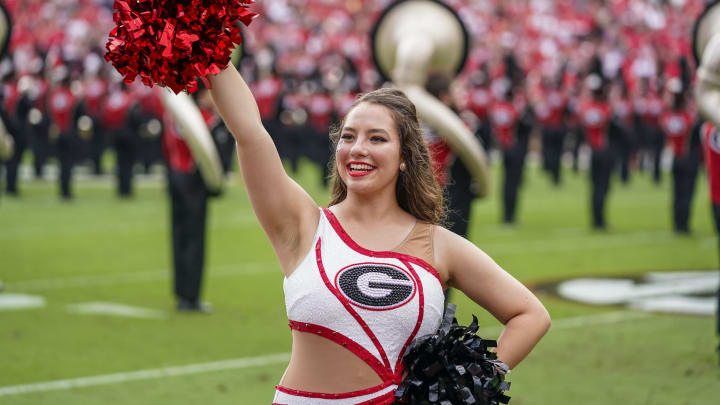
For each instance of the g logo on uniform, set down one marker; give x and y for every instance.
(375, 286)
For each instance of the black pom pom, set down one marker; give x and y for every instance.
(453, 366)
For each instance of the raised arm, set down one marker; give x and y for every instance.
(474, 273)
(286, 212)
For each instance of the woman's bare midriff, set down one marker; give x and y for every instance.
(321, 365)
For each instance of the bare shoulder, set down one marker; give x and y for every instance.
(444, 244)
(455, 255)
(448, 243)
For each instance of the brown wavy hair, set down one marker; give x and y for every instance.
(417, 190)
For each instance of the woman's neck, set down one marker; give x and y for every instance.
(360, 208)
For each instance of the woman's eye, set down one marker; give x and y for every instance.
(346, 136)
(378, 139)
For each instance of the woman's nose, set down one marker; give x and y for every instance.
(359, 148)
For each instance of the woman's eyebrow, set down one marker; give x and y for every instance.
(371, 131)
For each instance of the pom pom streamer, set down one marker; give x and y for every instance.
(453, 366)
(172, 42)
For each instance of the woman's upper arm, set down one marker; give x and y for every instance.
(474, 273)
(278, 201)
(283, 208)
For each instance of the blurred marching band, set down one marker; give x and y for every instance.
(556, 77)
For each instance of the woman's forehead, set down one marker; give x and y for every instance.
(368, 115)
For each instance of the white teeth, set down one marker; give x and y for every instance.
(355, 166)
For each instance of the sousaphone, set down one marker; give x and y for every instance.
(413, 39)
(196, 134)
(706, 49)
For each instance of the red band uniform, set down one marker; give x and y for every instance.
(321, 114)
(649, 107)
(677, 125)
(624, 116)
(511, 134)
(117, 120)
(550, 111)
(38, 123)
(62, 112)
(594, 119)
(94, 94)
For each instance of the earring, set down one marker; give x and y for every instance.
(402, 166)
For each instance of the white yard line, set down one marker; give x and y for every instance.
(58, 385)
(60, 283)
(234, 364)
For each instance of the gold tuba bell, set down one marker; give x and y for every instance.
(196, 134)
(413, 39)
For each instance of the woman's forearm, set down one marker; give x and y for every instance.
(520, 335)
(236, 104)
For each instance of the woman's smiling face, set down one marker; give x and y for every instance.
(368, 152)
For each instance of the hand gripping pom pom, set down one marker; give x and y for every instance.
(453, 366)
(171, 42)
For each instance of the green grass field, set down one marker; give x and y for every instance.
(101, 249)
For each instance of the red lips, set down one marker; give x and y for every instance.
(359, 169)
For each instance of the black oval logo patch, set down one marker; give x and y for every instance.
(375, 286)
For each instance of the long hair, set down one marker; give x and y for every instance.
(417, 190)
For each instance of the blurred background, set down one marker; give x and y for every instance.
(86, 308)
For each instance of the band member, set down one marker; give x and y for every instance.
(511, 133)
(38, 122)
(148, 116)
(293, 131)
(479, 100)
(648, 107)
(594, 118)
(550, 110)
(122, 133)
(188, 203)
(449, 169)
(677, 126)
(269, 90)
(321, 113)
(95, 90)
(624, 122)
(14, 109)
(62, 108)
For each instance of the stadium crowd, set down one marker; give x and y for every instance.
(548, 75)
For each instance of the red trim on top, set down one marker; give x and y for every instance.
(372, 253)
(341, 395)
(385, 399)
(416, 282)
(421, 313)
(348, 306)
(346, 342)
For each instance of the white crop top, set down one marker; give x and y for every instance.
(373, 303)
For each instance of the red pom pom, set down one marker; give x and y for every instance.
(171, 42)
